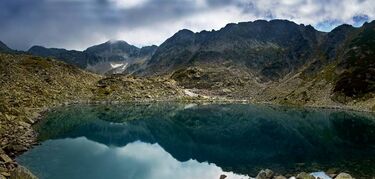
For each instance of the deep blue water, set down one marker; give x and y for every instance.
(169, 140)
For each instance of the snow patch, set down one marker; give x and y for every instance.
(116, 65)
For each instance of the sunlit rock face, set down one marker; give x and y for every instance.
(240, 139)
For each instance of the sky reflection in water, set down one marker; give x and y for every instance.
(82, 158)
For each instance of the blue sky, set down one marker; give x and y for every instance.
(78, 24)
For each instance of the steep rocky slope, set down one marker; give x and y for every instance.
(276, 62)
(345, 80)
(29, 84)
(269, 49)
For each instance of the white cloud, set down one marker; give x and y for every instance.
(78, 24)
(315, 11)
(204, 20)
(128, 4)
(208, 18)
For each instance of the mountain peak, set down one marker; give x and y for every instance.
(117, 42)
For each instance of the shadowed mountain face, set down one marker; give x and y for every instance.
(77, 58)
(100, 58)
(238, 138)
(4, 48)
(357, 77)
(271, 49)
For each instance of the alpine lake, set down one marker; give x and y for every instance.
(182, 141)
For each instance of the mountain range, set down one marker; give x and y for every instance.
(111, 56)
(275, 60)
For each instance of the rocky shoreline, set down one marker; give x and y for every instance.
(269, 174)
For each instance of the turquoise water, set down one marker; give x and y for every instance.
(168, 140)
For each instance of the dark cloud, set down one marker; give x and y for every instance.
(76, 24)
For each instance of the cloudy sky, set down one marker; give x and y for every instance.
(78, 24)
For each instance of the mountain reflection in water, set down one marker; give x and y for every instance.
(168, 140)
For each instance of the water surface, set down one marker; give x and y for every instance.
(168, 140)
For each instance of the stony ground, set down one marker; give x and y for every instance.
(235, 83)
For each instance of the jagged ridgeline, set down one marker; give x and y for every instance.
(274, 61)
(110, 57)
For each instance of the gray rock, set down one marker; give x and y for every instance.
(222, 177)
(343, 176)
(279, 177)
(5, 158)
(265, 174)
(22, 173)
(304, 175)
(2, 177)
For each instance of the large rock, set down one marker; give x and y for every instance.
(279, 177)
(5, 158)
(222, 176)
(22, 173)
(304, 175)
(343, 176)
(265, 174)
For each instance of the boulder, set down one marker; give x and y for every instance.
(21, 173)
(265, 174)
(279, 177)
(5, 158)
(343, 176)
(5, 174)
(222, 176)
(304, 175)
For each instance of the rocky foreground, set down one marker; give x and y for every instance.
(30, 85)
(269, 174)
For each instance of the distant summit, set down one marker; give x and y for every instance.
(102, 58)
